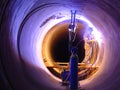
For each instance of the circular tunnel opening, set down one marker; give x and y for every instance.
(57, 39)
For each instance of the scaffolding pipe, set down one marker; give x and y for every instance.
(72, 28)
(74, 69)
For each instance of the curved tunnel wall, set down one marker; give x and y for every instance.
(27, 70)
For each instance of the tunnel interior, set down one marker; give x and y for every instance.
(25, 26)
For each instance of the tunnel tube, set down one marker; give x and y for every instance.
(20, 21)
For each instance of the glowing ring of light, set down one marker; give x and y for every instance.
(40, 35)
(67, 17)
